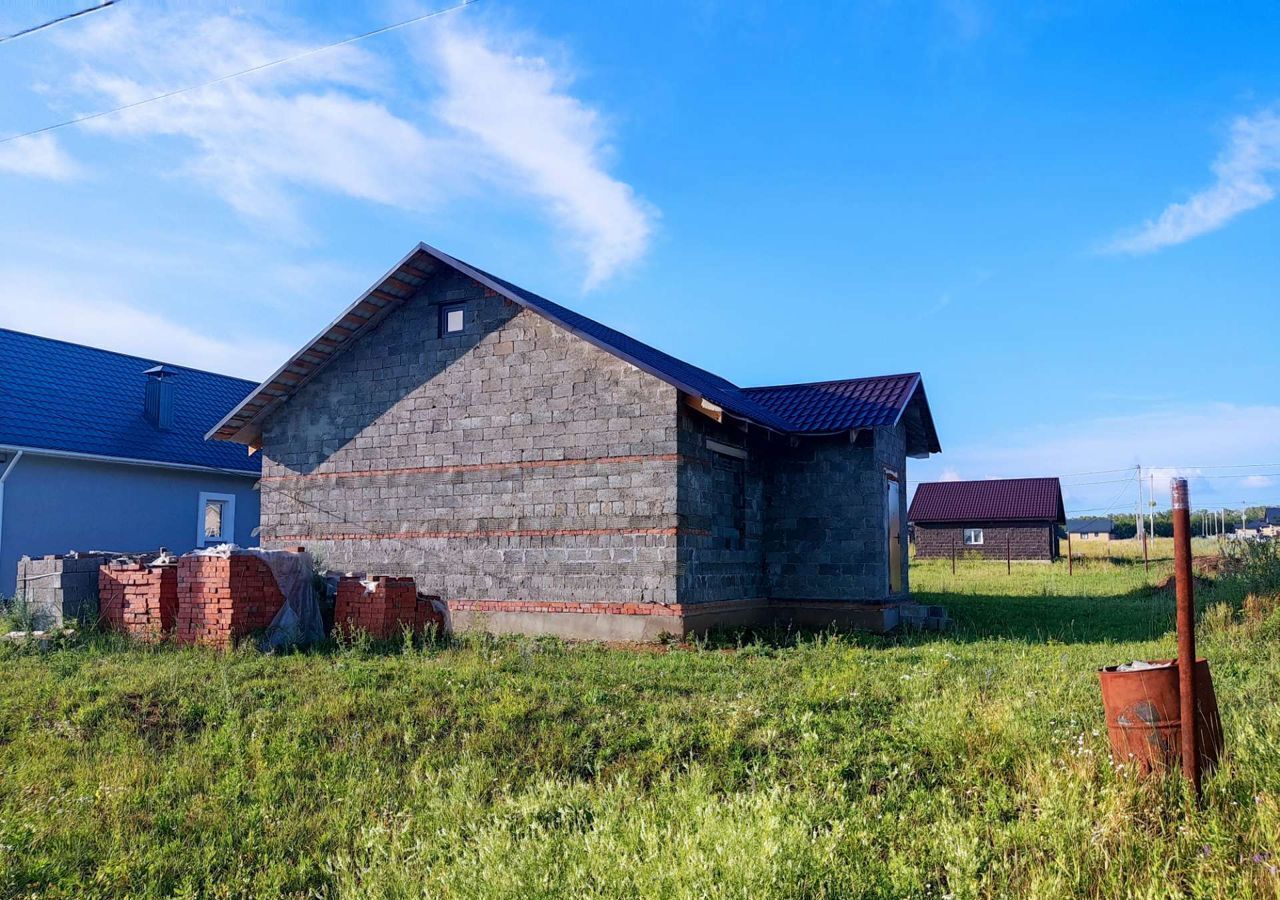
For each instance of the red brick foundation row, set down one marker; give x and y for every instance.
(462, 535)
(477, 467)
(600, 607)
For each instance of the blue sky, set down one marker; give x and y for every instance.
(1061, 214)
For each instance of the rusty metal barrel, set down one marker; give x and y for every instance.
(1143, 714)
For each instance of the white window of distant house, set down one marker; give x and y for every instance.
(216, 522)
(972, 537)
(452, 318)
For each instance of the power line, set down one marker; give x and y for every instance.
(1238, 466)
(221, 78)
(58, 21)
(1109, 481)
(1123, 490)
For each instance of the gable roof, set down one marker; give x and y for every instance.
(1271, 515)
(1089, 525)
(69, 398)
(996, 500)
(865, 403)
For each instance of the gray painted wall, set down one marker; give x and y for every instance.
(52, 505)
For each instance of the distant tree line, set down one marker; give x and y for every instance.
(1122, 526)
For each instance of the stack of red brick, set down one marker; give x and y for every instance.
(223, 598)
(137, 599)
(383, 609)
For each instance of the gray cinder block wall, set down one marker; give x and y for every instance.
(538, 483)
(512, 461)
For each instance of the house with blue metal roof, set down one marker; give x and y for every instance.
(106, 451)
(545, 473)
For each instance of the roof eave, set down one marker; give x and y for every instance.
(251, 429)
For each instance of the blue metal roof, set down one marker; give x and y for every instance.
(70, 398)
(1089, 525)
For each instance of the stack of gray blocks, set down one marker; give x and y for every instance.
(59, 589)
(926, 618)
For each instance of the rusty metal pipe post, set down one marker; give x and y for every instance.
(1186, 632)
(1008, 553)
(1071, 561)
(953, 554)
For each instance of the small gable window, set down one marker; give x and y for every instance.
(453, 317)
(216, 519)
(972, 537)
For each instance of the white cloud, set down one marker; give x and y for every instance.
(297, 125)
(342, 122)
(29, 303)
(1197, 443)
(1258, 481)
(519, 110)
(38, 156)
(1244, 173)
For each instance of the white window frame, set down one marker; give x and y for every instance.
(228, 519)
(981, 537)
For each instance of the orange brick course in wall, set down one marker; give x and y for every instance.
(222, 599)
(382, 611)
(138, 600)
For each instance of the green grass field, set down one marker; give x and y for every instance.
(973, 764)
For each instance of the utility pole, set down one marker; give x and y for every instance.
(1151, 496)
(1139, 521)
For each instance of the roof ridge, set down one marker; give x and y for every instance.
(989, 480)
(775, 387)
(120, 355)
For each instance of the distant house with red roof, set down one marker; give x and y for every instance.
(544, 473)
(1009, 518)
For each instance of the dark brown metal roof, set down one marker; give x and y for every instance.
(995, 500)
(788, 409)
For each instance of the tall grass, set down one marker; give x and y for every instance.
(972, 764)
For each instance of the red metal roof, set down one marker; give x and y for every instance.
(838, 405)
(996, 500)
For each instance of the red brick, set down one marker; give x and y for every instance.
(223, 599)
(382, 611)
(138, 600)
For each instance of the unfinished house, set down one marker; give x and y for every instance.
(1004, 518)
(544, 473)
